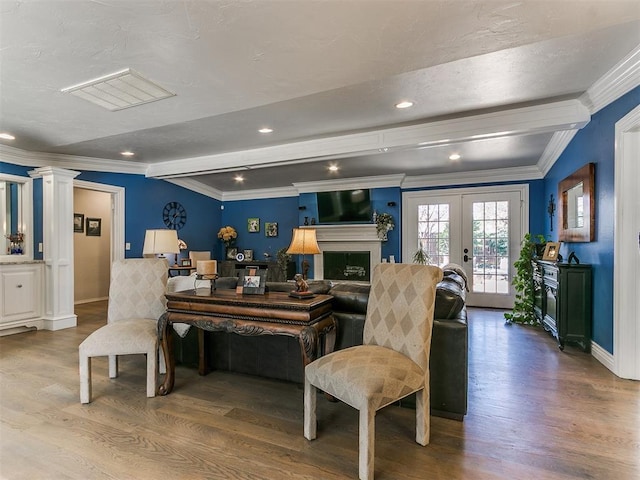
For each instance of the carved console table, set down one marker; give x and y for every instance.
(275, 313)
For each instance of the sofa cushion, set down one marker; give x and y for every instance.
(350, 297)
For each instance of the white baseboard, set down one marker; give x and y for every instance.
(604, 357)
(60, 322)
(90, 300)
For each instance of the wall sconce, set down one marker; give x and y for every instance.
(551, 210)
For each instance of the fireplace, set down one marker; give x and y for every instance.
(357, 247)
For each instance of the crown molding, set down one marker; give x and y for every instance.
(554, 149)
(195, 186)
(260, 193)
(43, 159)
(514, 174)
(621, 79)
(549, 117)
(381, 181)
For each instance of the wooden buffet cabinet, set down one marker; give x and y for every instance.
(563, 301)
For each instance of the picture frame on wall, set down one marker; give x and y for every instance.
(78, 223)
(94, 227)
(551, 251)
(271, 229)
(253, 225)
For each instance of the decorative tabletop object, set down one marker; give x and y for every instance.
(15, 240)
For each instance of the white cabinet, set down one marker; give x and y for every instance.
(21, 294)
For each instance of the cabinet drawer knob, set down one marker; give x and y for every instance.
(19, 285)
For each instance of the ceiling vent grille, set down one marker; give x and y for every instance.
(119, 90)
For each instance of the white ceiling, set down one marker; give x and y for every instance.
(500, 82)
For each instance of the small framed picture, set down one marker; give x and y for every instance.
(251, 281)
(78, 223)
(271, 229)
(551, 251)
(253, 225)
(94, 227)
(232, 252)
(248, 255)
(185, 262)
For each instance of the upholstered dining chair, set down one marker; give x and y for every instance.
(195, 256)
(136, 302)
(393, 361)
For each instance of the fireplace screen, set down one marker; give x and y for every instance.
(346, 266)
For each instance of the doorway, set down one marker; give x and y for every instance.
(478, 228)
(626, 301)
(94, 252)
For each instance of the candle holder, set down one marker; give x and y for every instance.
(211, 277)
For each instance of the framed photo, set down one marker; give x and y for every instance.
(185, 262)
(251, 281)
(78, 223)
(253, 225)
(94, 227)
(551, 251)
(248, 255)
(231, 253)
(271, 229)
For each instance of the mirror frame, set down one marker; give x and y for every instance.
(25, 222)
(586, 233)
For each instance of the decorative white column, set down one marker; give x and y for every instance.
(57, 222)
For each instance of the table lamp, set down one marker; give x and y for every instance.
(303, 242)
(160, 241)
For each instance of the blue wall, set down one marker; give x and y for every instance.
(144, 201)
(283, 211)
(596, 143)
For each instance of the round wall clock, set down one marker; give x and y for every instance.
(174, 215)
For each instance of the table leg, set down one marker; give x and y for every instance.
(165, 335)
(203, 352)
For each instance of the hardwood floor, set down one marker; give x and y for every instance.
(534, 413)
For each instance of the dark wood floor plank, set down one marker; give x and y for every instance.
(534, 413)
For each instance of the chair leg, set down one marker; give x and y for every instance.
(367, 440)
(423, 416)
(163, 365)
(152, 372)
(85, 379)
(310, 397)
(113, 366)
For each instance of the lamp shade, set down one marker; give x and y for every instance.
(160, 241)
(304, 242)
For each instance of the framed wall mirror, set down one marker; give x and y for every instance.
(16, 217)
(577, 213)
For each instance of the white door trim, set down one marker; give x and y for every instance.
(117, 214)
(626, 258)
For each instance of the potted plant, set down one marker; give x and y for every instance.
(228, 236)
(523, 281)
(384, 223)
(421, 257)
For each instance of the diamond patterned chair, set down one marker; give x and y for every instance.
(393, 361)
(136, 301)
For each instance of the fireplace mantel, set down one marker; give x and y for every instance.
(346, 238)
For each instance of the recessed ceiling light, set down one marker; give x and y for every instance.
(127, 153)
(239, 178)
(405, 104)
(266, 130)
(455, 156)
(333, 167)
(7, 136)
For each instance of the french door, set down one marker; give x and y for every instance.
(477, 228)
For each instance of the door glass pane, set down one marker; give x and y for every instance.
(491, 247)
(433, 232)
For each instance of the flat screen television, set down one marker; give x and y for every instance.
(344, 206)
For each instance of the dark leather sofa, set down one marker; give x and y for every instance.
(279, 357)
